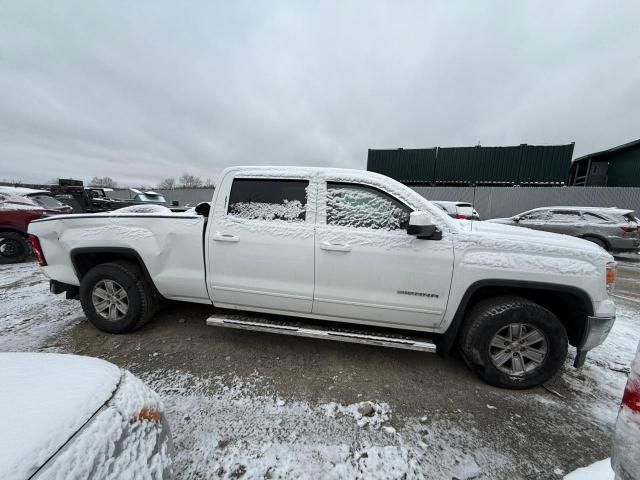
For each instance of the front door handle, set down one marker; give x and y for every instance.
(224, 237)
(336, 247)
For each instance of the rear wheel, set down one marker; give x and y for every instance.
(116, 297)
(512, 342)
(14, 248)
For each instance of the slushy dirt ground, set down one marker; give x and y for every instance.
(256, 405)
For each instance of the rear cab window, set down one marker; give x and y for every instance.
(268, 199)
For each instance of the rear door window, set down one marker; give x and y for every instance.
(565, 216)
(268, 199)
(593, 218)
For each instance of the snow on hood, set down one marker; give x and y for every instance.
(534, 236)
(45, 399)
(520, 249)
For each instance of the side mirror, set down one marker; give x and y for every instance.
(203, 209)
(420, 225)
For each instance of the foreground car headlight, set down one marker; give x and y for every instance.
(611, 275)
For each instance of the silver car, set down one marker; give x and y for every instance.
(614, 229)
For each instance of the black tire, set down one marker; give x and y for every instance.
(140, 296)
(489, 317)
(601, 243)
(14, 248)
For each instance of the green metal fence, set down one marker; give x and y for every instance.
(513, 165)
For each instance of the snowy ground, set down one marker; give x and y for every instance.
(251, 405)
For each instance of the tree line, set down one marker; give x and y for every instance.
(186, 180)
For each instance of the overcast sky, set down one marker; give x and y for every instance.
(140, 91)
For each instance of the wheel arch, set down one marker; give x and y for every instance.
(570, 304)
(10, 228)
(84, 259)
(586, 236)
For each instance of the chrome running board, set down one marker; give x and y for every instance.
(342, 333)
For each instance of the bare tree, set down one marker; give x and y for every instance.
(190, 181)
(106, 182)
(209, 183)
(167, 184)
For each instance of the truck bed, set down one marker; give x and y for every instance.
(171, 247)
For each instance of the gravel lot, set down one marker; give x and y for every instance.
(255, 405)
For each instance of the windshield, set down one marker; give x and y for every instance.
(47, 200)
(150, 197)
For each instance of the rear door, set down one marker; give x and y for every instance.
(261, 244)
(366, 265)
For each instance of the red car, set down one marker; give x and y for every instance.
(15, 214)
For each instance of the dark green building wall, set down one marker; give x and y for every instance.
(513, 165)
(624, 169)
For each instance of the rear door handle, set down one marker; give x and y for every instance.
(336, 247)
(223, 237)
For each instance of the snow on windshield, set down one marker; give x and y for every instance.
(8, 201)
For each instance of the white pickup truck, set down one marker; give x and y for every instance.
(345, 255)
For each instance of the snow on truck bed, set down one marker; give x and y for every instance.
(45, 399)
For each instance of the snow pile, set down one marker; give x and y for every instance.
(45, 399)
(148, 209)
(365, 414)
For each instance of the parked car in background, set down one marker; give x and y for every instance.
(625, 458)
(614, 229)
(68, 416)
(44, 198)
(15, 215)
(460, 210)
(148, 197)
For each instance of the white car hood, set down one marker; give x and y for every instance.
(540, 238)
(45, 399)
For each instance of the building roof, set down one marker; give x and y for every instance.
(619, 148)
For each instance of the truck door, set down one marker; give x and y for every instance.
(366, 265)
(261, 244)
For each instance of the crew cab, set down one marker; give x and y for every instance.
(344, 255)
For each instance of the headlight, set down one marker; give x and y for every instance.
(611, 275)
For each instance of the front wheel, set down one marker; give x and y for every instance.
(512, 342)
(116, 297)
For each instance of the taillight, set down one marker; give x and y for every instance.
(460, 216)
(37, 250)
(629, 228)
(631, 396)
